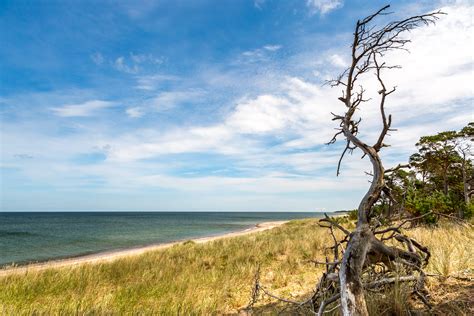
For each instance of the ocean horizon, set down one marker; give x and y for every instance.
(28, 237)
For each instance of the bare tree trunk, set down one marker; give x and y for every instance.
(368, 45)
(352, 293)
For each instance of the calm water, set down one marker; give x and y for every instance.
(33, 236)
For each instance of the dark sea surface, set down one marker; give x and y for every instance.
(39, 236)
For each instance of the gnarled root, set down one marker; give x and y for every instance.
(360, 262)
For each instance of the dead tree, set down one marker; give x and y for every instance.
(370, 44)
(362, 260)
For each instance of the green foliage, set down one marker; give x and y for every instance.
(353, 215)
(468, 131)
(436, 202)
(469, 210)
(436, 181)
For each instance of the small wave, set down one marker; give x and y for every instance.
(4, 233)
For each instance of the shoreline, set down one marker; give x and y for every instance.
(109, 256)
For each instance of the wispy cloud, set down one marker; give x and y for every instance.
(131, 64)
(97, 58)
(259, 4)
(153, 82)
(251, 124)
(121, 65)
(324, 6)
(272, 48)
(284, 116)
(88, 108)
(259, 54)
(146, 59)
(338, 61)
(298, 115)
(170, 99)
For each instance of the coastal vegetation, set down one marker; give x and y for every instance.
(405, 250)
(439, 178)
(217, 277)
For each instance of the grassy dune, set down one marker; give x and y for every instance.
(216, 277)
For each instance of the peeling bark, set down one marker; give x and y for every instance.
(352, 294)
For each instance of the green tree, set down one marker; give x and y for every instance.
(441, 178)
(438, 155)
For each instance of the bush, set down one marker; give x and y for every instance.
(352, 214)
(468, 210)
(437, 201)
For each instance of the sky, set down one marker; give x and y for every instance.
(209, 105)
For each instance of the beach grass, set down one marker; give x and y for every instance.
(217, 277)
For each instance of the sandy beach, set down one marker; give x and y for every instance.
(116, 254)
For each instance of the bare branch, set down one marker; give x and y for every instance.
(399, 166)
(325, 303)
(327, 219)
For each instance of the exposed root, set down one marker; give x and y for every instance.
(383, 265)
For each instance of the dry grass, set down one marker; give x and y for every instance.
(216, 277)
(452, 253)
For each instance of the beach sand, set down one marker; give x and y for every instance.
(116, 254)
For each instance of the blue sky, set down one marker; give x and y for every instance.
(206, 105)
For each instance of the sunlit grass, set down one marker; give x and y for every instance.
(451, 247)
(205, 278)
(216, 276)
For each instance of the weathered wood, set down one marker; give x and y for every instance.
(363, 251)
(368, 45)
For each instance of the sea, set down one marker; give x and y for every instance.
(27, 237)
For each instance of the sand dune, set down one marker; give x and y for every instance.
(116, 254)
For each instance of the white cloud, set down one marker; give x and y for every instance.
(266, 113)
(134, 112)
(260, 54)
(299, 115)
(253, 53)
(273, 137)
(272, 48)
(88, 108)
(136, 62)
(293, 113)
(434, 85)
(338, 61)
(268, 184)
(324, 6)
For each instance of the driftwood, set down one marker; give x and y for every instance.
(363, 259)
